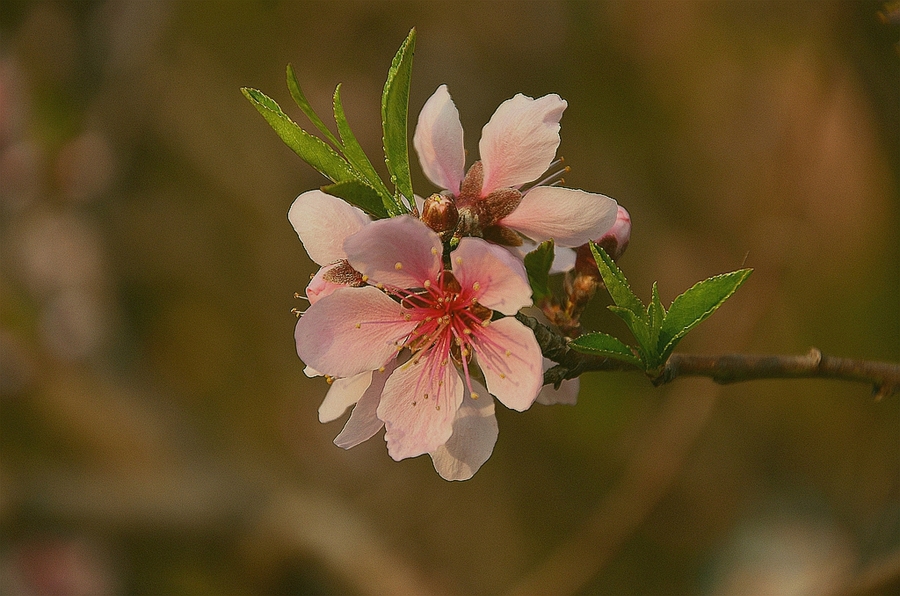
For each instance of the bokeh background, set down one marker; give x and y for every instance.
(158, 435)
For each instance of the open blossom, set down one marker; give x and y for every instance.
(411, 339)
(517, 146)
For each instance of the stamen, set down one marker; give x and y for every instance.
(475, 396)
(358, 325)
(508, 353)
(296, 312)
(365, 278)
(476, 286)
(554, 178)
(427, 283)
(398, 265)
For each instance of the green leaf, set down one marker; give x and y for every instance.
(354, 153)
(641, 331)
(601, 344)
(304, 105)
(360, 194)
(696, 305)
(394, 110)
(537, 265)
(656, 314)
(616, 284)
(312, 150)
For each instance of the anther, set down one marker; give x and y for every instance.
(437, 407)
(508, 353)
(381, 369)
(365, 278)
(358, 325)
(502, 376)
(476, 286)
(398, 265)
(434, 250)
(427, 283)
(426, 396)
(475, 395)
(296, 312)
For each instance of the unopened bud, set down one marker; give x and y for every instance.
(441, 215)
(614, 242)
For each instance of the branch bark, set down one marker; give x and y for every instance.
(884, 377)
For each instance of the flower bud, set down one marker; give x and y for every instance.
(614, 242)
(441, 215)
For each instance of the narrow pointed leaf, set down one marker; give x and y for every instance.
(358, 193)
(601, 344)
(304, 105)
(696, 305)
(311, 149)
(641, 331)
(656, 314)
(354, 153)
(616, 284)
(394, 111)
(537, 265)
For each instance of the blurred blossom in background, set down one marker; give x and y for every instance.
(156, 429)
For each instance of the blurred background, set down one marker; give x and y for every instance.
(158, 435)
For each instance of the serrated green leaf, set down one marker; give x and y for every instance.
(641, 331)
(616, 284)
(696, 305)
(601, 344)
(360, 194)
(306, 108)
(656, 314)
(537, 265)
(394, 111)
(354, 153)
(312, 150)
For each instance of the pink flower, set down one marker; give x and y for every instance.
(517, 146)
(441, 319)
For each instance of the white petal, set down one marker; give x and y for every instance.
(364, 422)
(571, 217)
(342, 394)
(520, 141)
(439, 141)
(566, 394)
(323, 222)
(472, 442)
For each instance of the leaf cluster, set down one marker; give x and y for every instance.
(656, 329)
(341, 159)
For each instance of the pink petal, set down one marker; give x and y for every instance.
(400, 251)
(318, 287)
(472, 442)
(342, 394)
(351, 331)
(510, 359)
(439, 141)
(418, 406)
(571, 217)
(520, 141)
(500, 278)
(566, 394)
(323, 222)
(364, 422)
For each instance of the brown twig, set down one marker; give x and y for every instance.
(726, 368)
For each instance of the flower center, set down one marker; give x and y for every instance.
(449, 320)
